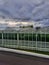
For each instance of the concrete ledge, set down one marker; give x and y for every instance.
(24, 52)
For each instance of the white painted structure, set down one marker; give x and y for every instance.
(16, 39)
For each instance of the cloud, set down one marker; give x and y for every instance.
(37, 10)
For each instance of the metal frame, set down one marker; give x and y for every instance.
(24, 44)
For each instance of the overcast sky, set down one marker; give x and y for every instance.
(36, 10)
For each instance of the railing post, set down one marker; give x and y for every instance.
(2, 38)
(17, 39)
(45, 38)
(36, 40)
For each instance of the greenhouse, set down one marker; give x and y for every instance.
(25, 38)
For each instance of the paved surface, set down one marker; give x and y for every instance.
(7, 58)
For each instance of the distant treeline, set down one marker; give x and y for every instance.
(26, 36)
